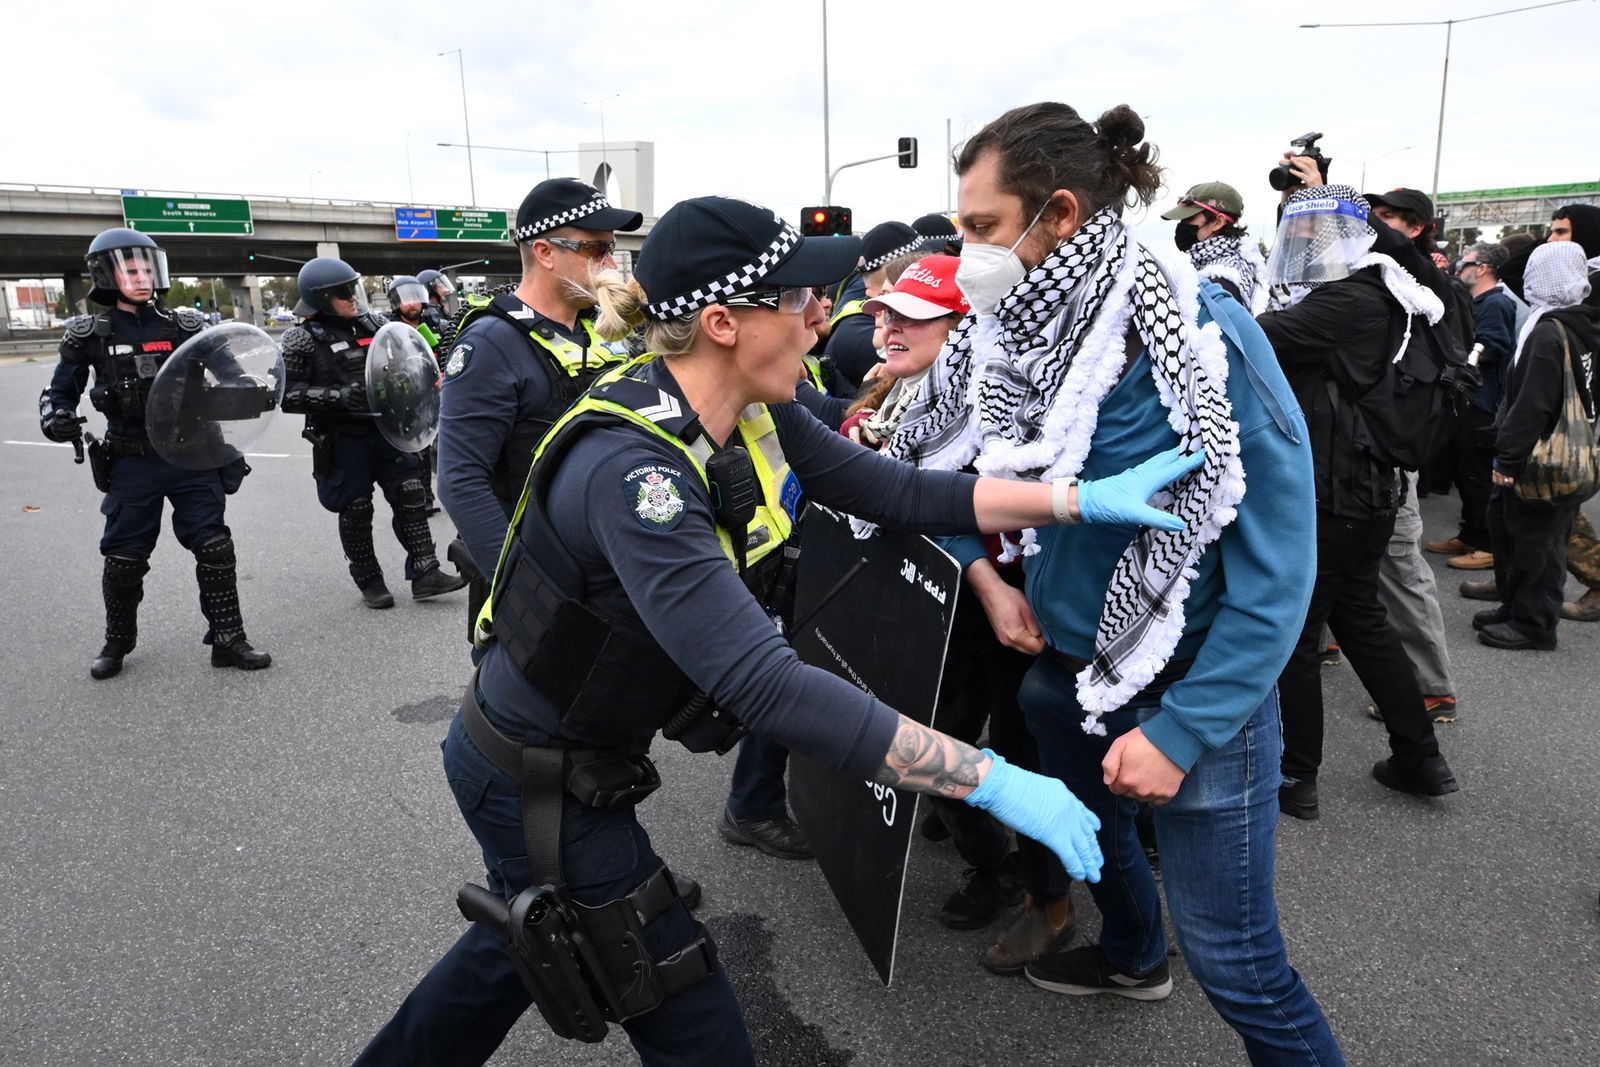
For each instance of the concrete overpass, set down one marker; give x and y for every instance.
(44, 230)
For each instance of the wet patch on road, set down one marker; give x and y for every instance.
(434, 709)
(781, 1038)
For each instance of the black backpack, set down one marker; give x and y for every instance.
(1410, 414)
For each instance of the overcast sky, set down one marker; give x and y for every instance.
(289, 98)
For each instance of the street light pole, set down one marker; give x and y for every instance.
(1444, 81)
(461, 68)
(827, 160)
(1362, 184)
(411, 186)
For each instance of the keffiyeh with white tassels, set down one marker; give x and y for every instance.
(1018, 395)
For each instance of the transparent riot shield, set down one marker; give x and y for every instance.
(214, 396)
(403, 387)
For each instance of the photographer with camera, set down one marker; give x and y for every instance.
(1352, 308)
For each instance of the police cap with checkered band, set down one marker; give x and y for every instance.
(712, 247)
(559, 202)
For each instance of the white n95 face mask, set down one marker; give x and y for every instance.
(987, 273)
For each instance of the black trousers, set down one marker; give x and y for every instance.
(1345, 598)
(1530, 560)
(1470, 456)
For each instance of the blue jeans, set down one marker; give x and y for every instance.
(1217, 849)
(463, 1008)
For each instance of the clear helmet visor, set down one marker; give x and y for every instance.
(137, 273)
(444, 295)
(345, 300)
(1318, 241)
(413, 293)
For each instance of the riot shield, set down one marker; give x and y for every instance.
(214, 396)
(403, 387)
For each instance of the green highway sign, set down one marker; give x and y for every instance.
(1525, 192)
(162, 214)
(471, 224)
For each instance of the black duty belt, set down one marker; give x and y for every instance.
(121, 447)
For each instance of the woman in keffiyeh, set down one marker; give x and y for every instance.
(1085, 354)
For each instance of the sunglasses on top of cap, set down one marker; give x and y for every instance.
(592, 249)
(790, 301)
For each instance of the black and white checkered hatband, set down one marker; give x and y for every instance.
(740, 281)
(560, 218)
(904, 250)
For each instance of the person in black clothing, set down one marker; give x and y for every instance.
(1530, 542)
(1334, 344)
(325, 359)
(125, 345)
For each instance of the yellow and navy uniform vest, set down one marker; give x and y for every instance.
(597, 671)
(572, 369)
(849, 307)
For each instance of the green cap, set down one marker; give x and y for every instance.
(1211, 197)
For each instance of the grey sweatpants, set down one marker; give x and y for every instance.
(1410, 597)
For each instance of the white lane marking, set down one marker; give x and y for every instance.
(43, 444)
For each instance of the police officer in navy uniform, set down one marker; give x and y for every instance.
(850, 342)
(124, 346)
(442, 299)
(411, 302)
(325, 358)
(632, 577)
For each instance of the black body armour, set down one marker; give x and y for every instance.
(125, 361)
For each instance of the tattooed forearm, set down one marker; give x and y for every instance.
(927, 761)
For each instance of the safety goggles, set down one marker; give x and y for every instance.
(788, 300)
(592, 249)
(342, 291)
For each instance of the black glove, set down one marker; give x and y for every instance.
(62, 426)
(355, 397)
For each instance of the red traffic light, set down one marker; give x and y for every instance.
(825, 221)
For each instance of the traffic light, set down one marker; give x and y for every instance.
(251, 256)
(908, 152)
(825, 221)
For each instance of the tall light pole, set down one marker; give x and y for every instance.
(1444, 79)
(461, 68)
(827, 161)
(1362, 184)
(605, 156)
(411, 186)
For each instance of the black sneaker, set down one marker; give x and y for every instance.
(1299, 799)
(981, 900)
(1084, 971)
(1430, 778)
(238, 653)
(776, 837)
(435, 582)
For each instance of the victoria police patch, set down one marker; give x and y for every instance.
(653, 491)
(457, 361)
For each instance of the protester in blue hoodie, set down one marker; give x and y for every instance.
(1160, 649)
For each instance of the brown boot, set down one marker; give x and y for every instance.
(1039, 929)
(1585, 609)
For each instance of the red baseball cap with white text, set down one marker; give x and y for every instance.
(926, 290)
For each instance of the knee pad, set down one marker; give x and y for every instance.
(359, 510)
(126, 571)
(411, 493)
(216, 553)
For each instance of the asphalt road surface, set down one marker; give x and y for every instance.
(213, 867)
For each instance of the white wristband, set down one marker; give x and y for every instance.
(1060, 500)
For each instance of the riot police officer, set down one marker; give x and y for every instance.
(645, 538)
(411, 302)
(442, 300)
(124, 346)
(325, 368)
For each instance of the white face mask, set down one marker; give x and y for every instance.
(988, 272)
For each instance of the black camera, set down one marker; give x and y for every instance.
(1283, 177)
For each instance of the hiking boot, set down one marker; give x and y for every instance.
(1505, 635)
(1453, 547)
(1471, 561)
(375, 594)
(238, 653)
(1031, 936)
(109, 661)
(1484, 590)
(1585, 609)
(1084, 971)
(1491, 617)
(1299, 799)
(778, 837)
(982, 899)
(1430, 778)
(435, 582)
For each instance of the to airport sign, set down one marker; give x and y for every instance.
(472, 224)
(160, 214)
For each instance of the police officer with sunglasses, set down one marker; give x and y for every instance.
(631, 598)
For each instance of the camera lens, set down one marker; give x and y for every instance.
(1281, 177)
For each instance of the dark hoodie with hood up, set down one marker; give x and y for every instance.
(1585, 220)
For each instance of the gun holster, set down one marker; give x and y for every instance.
(701, 726)
(99, 462)
(321, 451)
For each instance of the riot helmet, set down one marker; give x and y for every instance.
(441, 292)
(406, 291)
(122, 258)
(325, 279)
(1323, 234)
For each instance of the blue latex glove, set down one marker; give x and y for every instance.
(1044, 809)
(1123, 498)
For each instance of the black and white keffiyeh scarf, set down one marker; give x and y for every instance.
(1234, 260)
(1018, 395)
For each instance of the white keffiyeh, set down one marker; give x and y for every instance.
(1018, 395)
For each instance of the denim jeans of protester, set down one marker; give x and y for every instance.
(463, 1008)
(1217, 855)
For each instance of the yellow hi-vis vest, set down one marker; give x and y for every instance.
(610, 398)
(849, 307)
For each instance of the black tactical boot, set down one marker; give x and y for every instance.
(238, 653)
(109, 661)
(434, 581)
(374, 593)
(122, 585)
(355, 535)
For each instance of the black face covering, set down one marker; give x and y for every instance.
(1187, 235)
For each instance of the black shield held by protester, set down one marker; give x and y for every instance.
(214, 396)
(884, 628)
(403, 387)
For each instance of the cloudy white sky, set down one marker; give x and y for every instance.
(289, 98)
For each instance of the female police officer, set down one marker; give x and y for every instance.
(615, 599)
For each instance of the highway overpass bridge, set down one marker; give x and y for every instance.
(44, 230)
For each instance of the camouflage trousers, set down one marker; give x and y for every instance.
(1583, 553)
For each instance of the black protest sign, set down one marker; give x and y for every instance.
(884, 628)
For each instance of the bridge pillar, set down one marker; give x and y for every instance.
(246, 293)
(77, 292)
(328, 248)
